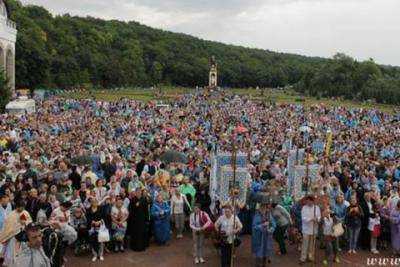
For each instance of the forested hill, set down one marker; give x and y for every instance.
(65, 51)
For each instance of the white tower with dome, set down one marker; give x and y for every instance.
(8, 37)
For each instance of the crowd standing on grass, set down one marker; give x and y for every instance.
(90, 175)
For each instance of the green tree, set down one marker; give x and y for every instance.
(67, 51)
(157, 72)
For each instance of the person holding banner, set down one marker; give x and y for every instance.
(310, 217)
(227, 226)
(14, 224)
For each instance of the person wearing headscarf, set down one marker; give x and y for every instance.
(262, 242)
(100, 191)
(79, 222)
(161, 213)
(119, 215)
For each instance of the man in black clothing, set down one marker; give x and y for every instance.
(75, 178)
(140, 167)
(266, 174)
(109, 169)
(138, 221)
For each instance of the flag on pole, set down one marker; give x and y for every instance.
(328, 145)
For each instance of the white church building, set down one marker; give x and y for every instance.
(8, 36)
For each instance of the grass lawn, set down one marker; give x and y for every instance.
(139, 94)
(290, 97)
(170, 93)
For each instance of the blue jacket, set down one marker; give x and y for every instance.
(261, 239)
(160, 212)
(340, 211)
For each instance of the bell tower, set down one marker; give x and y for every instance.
(213, 77)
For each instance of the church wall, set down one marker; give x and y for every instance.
(8, 36)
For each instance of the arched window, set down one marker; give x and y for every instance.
(3, 9)
(10, 66)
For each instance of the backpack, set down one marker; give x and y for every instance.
(52, 246)
(203, 220)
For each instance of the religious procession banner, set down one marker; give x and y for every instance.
(318, 147)
(302, 182)
(287, 145)
(227, 184)
(217, 180)
(296, 157)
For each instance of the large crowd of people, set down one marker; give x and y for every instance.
(93, 176)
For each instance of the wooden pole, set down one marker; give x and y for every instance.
(315, 207)
(308, 172)
(233, 195)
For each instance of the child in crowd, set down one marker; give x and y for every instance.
(331, 245)
(79, 222)
(374, 226)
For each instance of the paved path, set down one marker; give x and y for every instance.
(178, 254)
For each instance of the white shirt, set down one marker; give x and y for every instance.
(177, 204)
(307, 215)
(224, 224)
(372, 222)
(120, 214)
(393, 201)
(61, 217)
(6, 211)
(328, 226)
(101, 193)
(369, 204)
(31, 257)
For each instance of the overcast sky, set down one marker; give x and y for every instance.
(360, 28)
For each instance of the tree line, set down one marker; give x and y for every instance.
(345, 77)
(69, 51)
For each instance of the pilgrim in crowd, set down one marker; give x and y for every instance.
(100, 178)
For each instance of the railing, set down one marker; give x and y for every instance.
(11, 24)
